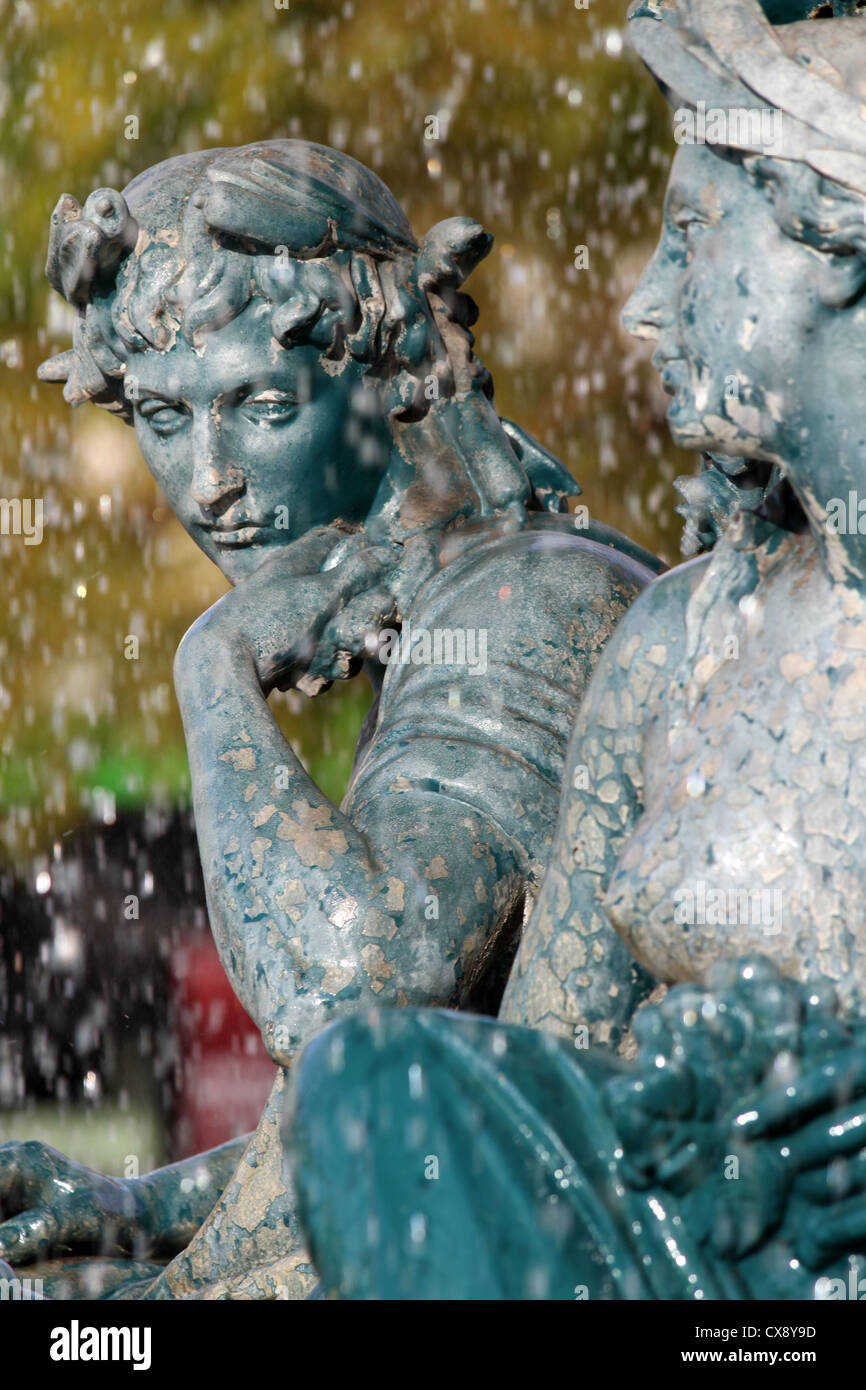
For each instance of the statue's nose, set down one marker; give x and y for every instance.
(649, 307)
(641, 315)
(215, 487)
(216, 482)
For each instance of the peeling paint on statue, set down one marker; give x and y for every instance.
(253, 312)
(721, 737)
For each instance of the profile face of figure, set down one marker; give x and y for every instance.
(734, 307)
(755, 294)
(253, 444)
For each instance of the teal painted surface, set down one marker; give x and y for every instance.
(300, 374)
(712, 822)
(495, 1162)
(722, 1160)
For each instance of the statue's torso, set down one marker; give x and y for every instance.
(490, 734)
(753, 836)
(541, 603)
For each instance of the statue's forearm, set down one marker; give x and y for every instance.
(176, 1199)
(273, 847)
(311, 914)
(253, 798)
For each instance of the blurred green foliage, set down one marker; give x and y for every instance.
(551, 135)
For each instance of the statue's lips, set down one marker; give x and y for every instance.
(238, 534)
(673, 373)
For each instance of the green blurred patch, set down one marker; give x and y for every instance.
(105, 1139)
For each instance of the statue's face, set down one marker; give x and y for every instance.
(733, 306)
(253, 444)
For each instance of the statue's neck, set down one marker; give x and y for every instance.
(838, 525)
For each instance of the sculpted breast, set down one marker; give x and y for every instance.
(753, 837)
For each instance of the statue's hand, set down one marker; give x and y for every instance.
(278, 614)
(819, 1122)
(353, 632)
(47, 1200)
(728, 1085)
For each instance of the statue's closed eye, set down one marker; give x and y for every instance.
(688, 226)
(164, 417)
(687, 221)
(270, 408)
(265, 408)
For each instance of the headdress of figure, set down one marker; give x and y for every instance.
(748, 58)
(740, 55)
(190, 241)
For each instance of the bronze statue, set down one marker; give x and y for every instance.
(300, 373)
(602, 1140)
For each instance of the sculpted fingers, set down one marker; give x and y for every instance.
(419, 560)
(840, 1177)
(26, 1166)
(830, 1137)
(352, 634)
(824, 1087)
(360, 571)
(28, 1236)
(72, 1218)
(823, 1232)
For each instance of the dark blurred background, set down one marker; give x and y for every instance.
(119, 1039)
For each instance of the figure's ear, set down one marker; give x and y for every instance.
(841, 279)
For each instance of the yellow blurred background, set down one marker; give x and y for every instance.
(550, 134)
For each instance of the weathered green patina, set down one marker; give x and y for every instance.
(300, 374)
(714, 804)
(496, 1162)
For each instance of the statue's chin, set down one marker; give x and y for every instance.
(692, 431)
(239, 562)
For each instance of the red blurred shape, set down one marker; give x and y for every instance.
(224, 1075)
